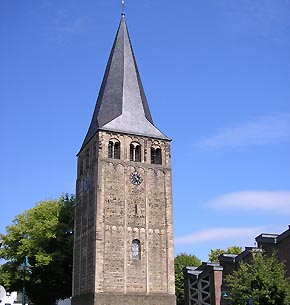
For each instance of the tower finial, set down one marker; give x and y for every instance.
(123, 7)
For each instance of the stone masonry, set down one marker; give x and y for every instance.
(110, 213)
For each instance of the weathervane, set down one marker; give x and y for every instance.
(123, 6)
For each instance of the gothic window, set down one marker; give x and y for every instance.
(156, 156)
(135, 152)
(114, 149)
(136, 249)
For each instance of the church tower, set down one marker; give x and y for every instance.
(123, 248)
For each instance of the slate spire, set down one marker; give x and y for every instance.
(122, 105)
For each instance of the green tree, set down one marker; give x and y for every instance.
(44, 234)
(180, 261)
(214, 254)
(263, 280)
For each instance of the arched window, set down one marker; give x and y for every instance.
(117, 150)
(136, 249)
(114, 149)
(156, 156)
(110, 149)
(138, 153)
(135, 152)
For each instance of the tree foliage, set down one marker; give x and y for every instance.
(263, 280)
(44, 234)
(214, 254)
(180, 261)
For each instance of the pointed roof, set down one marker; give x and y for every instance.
(122, 105)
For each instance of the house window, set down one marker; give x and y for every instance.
(114, 149)
(135, 152)
(136, 249)
(156, 156)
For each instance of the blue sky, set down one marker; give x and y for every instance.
(216, 75)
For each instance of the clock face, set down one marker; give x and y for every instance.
(136, 178)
